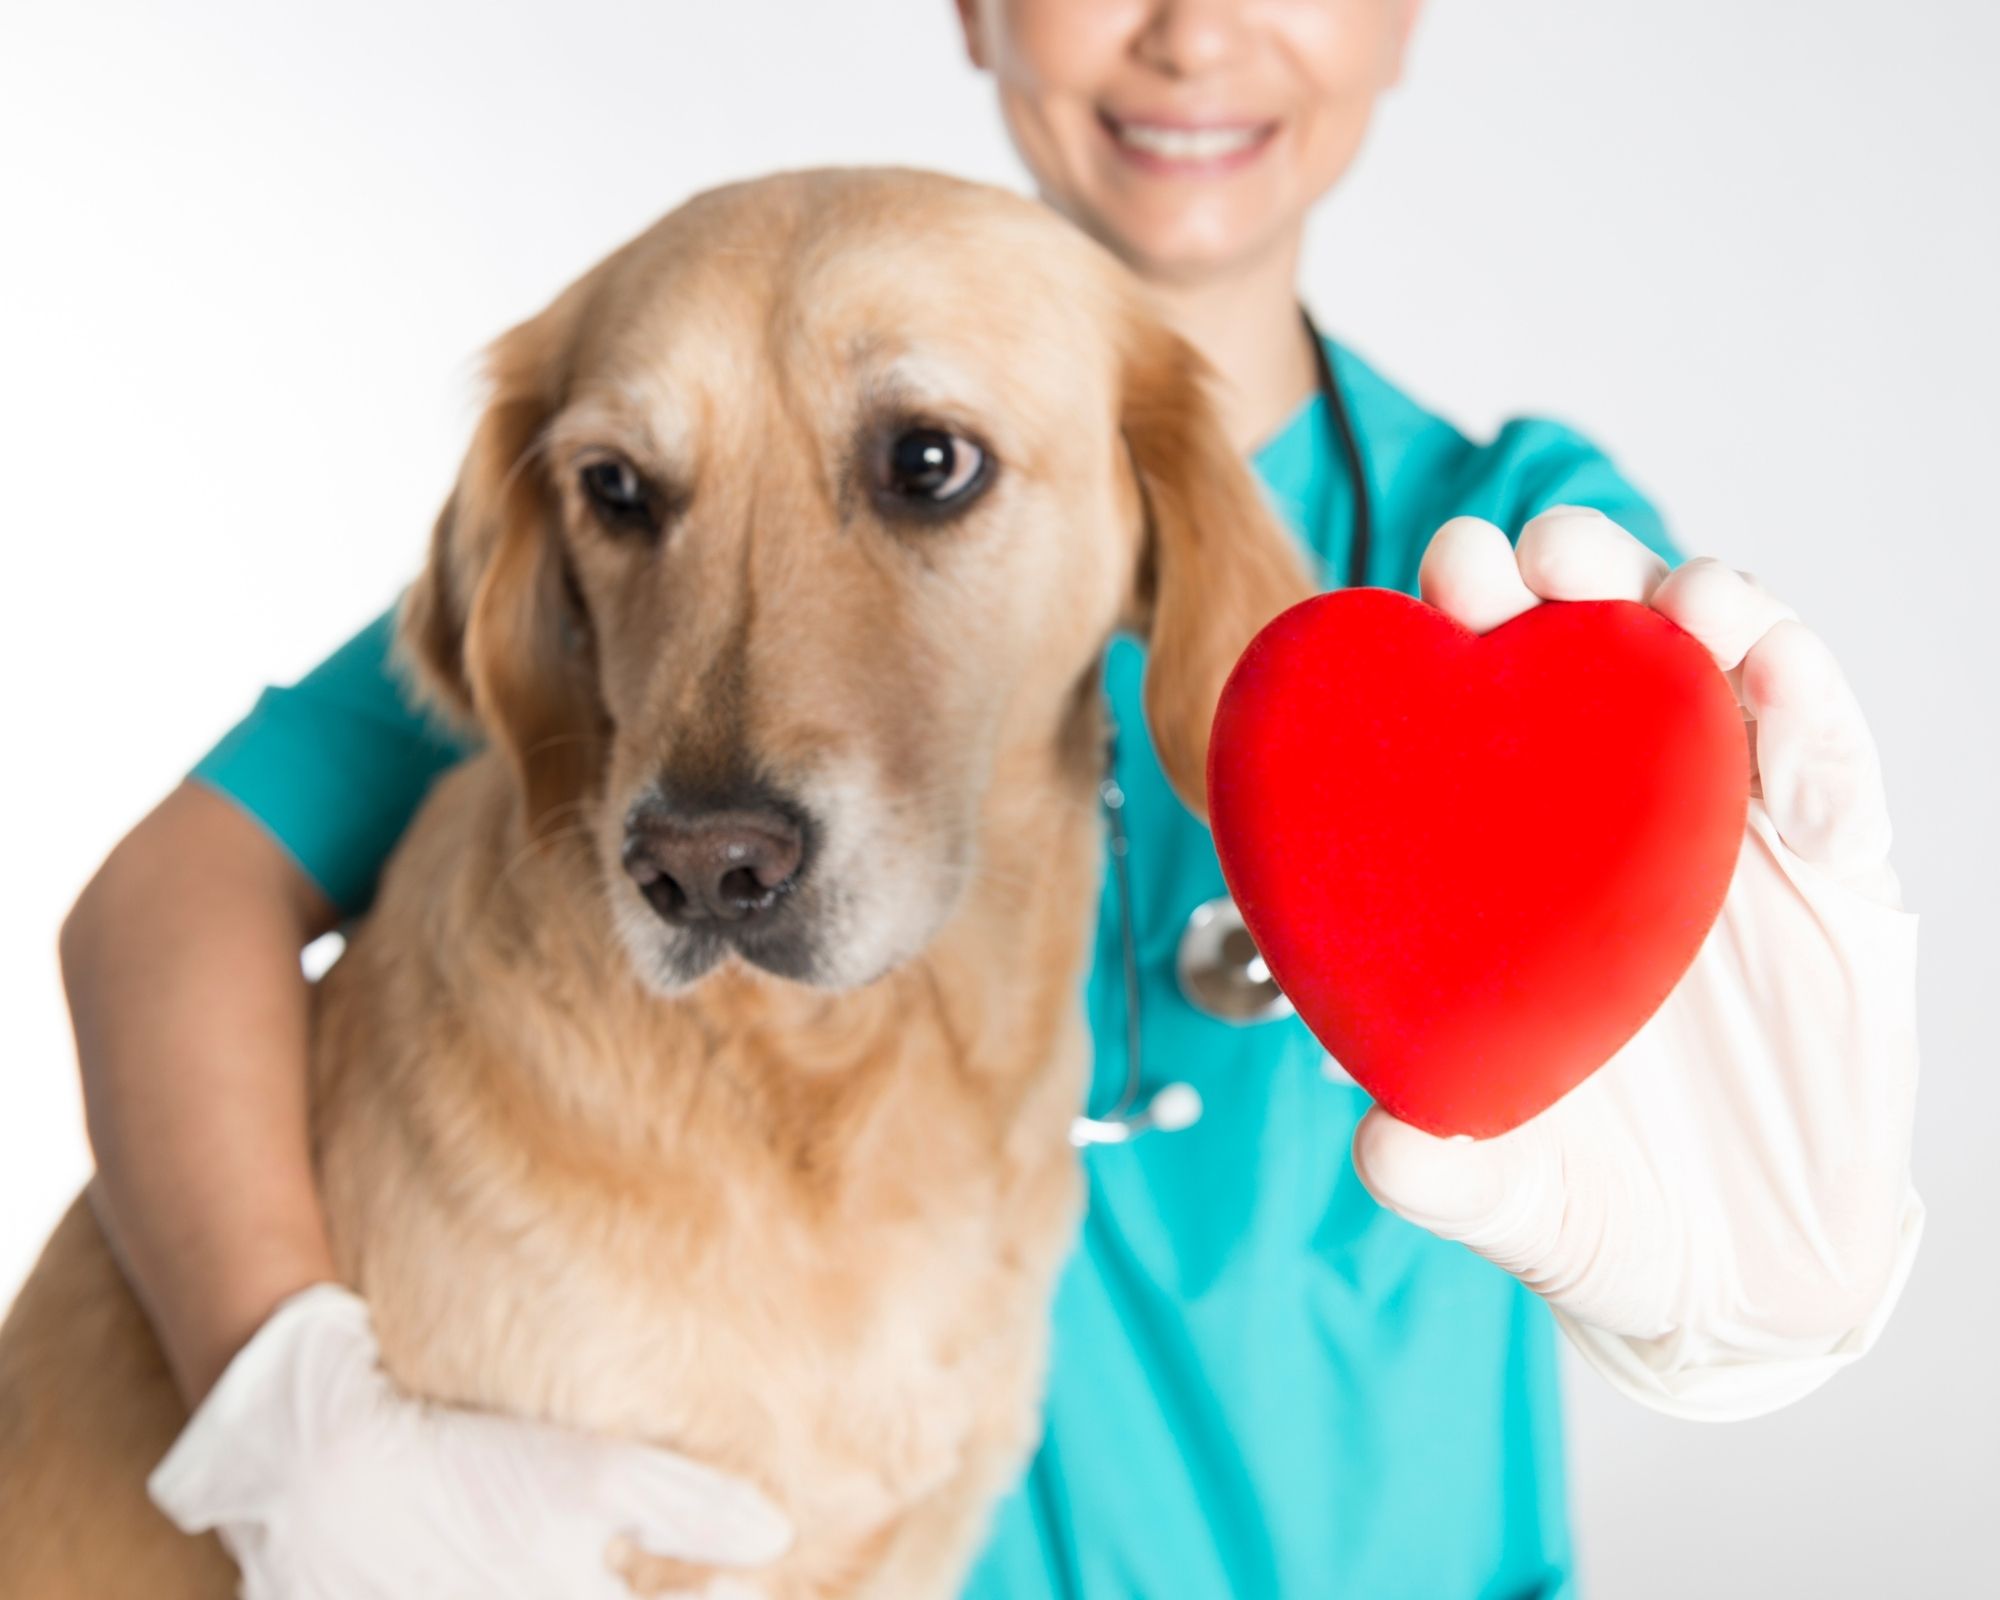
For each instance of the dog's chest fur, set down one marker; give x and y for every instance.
(806, 1238)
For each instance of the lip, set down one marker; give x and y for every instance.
(1160, 163)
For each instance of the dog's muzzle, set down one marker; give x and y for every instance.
(724, 876)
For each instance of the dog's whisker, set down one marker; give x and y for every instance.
(541, 840)
(551, 741)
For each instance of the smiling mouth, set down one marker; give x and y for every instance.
(1187, 147)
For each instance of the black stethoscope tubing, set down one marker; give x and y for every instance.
(1340, 429)
(1177, 1105)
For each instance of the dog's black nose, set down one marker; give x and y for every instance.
(712, 866)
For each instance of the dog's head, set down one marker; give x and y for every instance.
(803, 519)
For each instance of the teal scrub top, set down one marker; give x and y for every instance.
(1262, 1384)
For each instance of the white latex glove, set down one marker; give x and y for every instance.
(327, 1482)
(1722, 1215)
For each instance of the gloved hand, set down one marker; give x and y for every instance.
(326, 1482)
(1722, 1215)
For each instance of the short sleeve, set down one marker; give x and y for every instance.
(1422, 472)
(335, 765)
(1529, 466)
(1536, 464)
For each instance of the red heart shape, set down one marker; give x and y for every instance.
(1476, 863)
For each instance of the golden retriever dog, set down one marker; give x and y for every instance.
(704, 1069)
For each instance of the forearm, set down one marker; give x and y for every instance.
(191, 1013)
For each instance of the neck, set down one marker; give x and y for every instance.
(1245, 320)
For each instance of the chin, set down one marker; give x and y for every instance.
(822, 941)
(1166, 243)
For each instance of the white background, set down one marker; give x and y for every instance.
(247, 253)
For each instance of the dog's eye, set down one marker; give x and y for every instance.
(622, 499)
(929, 470)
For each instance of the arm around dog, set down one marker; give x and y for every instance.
(181, 960)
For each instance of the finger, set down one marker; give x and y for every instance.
(1469, 573)
(679, 1508)
(631, 1570)
(1820, 771)
(721, 1588)
(614, 1578)
(1496, 1196)
(1728, 611)
(1574, 553)
(1499, 1197)
(1445, 1185)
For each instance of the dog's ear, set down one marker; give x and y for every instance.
(1215, 564)
(492, 629)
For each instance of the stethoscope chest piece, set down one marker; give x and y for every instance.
(1220, 970)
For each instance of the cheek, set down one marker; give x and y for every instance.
(979, 636)
(1040, 616)
(1022, 603)
(1327, 141)
(1052, 61)
(1344, 55)
(624, 620)
(1063, 46)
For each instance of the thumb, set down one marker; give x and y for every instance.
(1498, 1196)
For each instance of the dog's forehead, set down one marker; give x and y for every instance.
(996, 277)
(898, 284)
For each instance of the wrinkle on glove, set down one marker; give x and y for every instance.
(327, 1482)
(1721, 1216)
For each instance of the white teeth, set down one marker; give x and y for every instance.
(1186, 144)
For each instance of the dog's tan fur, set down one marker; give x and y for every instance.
(805, 1233)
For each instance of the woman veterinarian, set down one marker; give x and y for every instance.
(1277, 1370)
